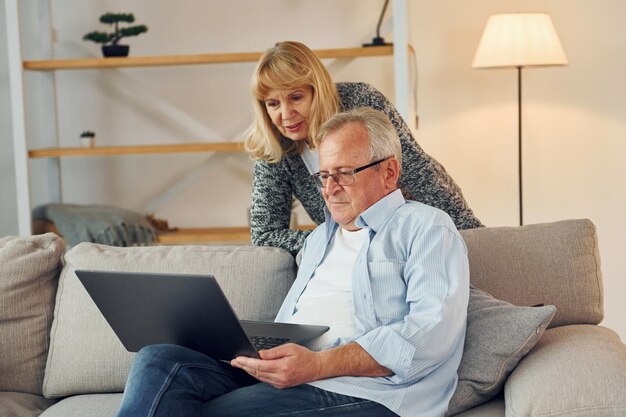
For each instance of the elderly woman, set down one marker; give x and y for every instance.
(293, 95)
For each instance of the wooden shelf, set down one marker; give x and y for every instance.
(137, 150)
(204, 235)
(211, 234)
(222, 58)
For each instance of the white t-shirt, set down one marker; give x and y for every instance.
(327, 298)
(311, 160)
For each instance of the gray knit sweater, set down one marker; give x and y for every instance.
(423, 179)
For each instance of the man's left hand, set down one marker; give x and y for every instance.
(284, 366)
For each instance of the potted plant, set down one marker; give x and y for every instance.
(87, 139)
(110, 40)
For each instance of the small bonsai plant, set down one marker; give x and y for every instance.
(110, 40)
(88, 134)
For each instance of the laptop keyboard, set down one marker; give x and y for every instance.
(267, 342)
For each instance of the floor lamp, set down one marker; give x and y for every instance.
(519, 40)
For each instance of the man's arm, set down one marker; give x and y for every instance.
(290, 365)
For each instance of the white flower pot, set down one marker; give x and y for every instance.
(87, 142)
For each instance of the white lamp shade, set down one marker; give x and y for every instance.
(519, 40)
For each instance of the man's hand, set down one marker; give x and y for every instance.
(284, 366)
(290, 365)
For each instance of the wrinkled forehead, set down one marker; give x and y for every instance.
(345, 147)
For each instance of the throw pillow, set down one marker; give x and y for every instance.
(498, 336)
(29, 268)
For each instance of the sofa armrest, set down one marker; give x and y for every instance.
(574, 371)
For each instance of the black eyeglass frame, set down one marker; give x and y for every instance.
(321, 182)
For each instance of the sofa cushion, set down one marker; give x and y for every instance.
(29, 268)
(493, 408)
(19, 404)
(553, 263)
(85, 355)
(92, 405)
(574, 371)
(498, 336)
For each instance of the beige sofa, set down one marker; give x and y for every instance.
(59, 358)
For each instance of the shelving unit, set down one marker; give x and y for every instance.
(160, 61)
(22, 153)
(182, 235)
(137, 150)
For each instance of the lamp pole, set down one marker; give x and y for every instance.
(519, 141)
(519, 40)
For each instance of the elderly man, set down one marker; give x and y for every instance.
(391, 279)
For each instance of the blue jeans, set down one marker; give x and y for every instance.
(168, 380)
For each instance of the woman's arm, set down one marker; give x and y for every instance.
(423, 178)
(270, 213)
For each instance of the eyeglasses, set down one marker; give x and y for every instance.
(342, 177)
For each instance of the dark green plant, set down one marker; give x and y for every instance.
(118, 33)
(87, 134)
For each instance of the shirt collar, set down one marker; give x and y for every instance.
(373, 217)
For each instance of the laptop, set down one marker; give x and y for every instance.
(186, 310)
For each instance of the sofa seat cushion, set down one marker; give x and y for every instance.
(574, 371)
(29, 268)
(498, 336)
(551, 263)
(85, 354)
(92, 405)
(493, 408)
(19, 404)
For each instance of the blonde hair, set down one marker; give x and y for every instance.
(288, 65)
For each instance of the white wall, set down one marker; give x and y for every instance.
(8, 207)
(574, 121)
(574, 116)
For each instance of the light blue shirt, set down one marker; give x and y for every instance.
(410, 287)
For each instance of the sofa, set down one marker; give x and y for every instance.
(533, 344)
